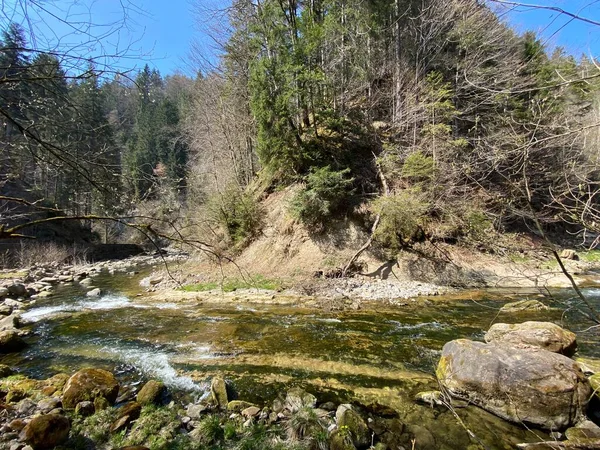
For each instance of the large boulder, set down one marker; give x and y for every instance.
(544, 335)
(46, 432)
(88, 385)
(530, 386)
(11, 342)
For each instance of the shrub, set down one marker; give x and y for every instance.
(402, 217)
(323, 195)
(418, 167)
(237, 213)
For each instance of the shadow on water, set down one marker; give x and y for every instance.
(371, 356)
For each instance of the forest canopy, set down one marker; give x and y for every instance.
(433, 118)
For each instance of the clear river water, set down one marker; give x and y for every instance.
(378, 355)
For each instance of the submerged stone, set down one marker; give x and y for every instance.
(523, 305)
(534, 387)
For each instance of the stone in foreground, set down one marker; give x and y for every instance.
(90, 384)
(534, 387)
(46, 432)
(544, 335)
(151, 393)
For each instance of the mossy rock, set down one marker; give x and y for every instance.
(5, 371)
(238, 405)
(350, 421)
(151, 393)
(100, 404)
(218, 390)
(523, 305)
(15, 396)
(341, 440)
(595, 384)
(89, 384)
(46, 432)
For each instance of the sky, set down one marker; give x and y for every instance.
(160, 32)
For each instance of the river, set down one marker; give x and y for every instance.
(379, 355)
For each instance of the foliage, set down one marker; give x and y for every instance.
(155, 428)
(403, 217)
(324, 194)
(418, 167)
(237, 213)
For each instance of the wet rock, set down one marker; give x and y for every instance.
(544, 335)
(3, 292)
(535, 387)
(46, 432)
(151, 393)
(85, 409)
(89, 384)
(49, 280)
(5, 310)
(86, 281)
(5, 371)
(218, 390)
(127, 414)
(251, 411)
(349, 420)
(523, 305)
(11, 342)
(9, 323)
(97, 292)
(17, 290)
(297, 399)
(194, 411)
(238, 405)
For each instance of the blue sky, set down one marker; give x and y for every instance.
(160, 31)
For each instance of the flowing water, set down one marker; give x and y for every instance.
(374, 356)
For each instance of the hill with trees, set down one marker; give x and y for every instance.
(422, 121)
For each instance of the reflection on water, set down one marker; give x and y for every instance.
(381, 355)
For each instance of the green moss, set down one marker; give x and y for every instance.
(95, 428)
(233, 284)
(155, 429)
(590, 256)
